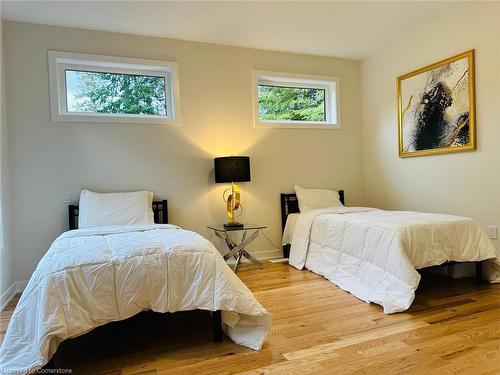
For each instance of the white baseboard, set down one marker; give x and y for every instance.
(10, 293)
(21, 285)
(268, 254)
(7, 296)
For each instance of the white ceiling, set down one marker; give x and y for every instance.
(343, 29)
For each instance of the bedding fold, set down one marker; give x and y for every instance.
(93, 276)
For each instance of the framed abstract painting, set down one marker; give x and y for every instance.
(436, 108)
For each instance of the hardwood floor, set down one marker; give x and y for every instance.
(452, 328)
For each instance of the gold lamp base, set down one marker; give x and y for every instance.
(232, 205)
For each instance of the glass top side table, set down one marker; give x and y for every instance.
(237, 250)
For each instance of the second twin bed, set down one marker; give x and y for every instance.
(375, 254)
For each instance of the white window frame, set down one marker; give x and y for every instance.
(328, 83)
(59, 62)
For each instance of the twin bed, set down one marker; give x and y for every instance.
(375, 254)
(100, 274)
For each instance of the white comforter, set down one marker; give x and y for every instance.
(90, 277)
(374, 254)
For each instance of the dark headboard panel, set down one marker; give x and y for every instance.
(160, 211)
(290, 205)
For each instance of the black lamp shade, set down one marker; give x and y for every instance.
(232, 169)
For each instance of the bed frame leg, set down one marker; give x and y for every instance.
(217, 326)
(479, 272)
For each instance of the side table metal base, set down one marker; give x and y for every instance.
(238, 250)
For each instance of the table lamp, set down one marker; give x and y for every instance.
(232, 169)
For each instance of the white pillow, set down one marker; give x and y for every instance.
(312, 199)
(97, 209)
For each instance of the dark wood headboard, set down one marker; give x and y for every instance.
(160, 211)
(290, 205)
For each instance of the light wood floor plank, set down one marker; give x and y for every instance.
(452, 328)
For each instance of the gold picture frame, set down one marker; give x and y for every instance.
(436, 108)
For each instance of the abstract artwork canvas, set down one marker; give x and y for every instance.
(436, 108)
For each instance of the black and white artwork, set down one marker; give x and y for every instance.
(436, 108)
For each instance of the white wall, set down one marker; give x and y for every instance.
(6, 275)
(460, 183)
(49, 158)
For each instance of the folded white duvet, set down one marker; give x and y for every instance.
(374, 254)
(90, 277)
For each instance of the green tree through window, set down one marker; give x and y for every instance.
(291, 103)
(115, 93)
